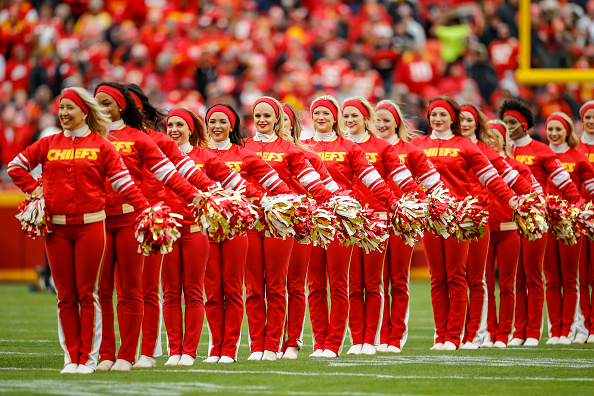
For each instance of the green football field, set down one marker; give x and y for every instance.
(31, 357)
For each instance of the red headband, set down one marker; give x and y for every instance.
(183, 114)
(562, 120)
(445, 105)
(500, 128)
(358, 105)
(471, 110)
(270, 102)
(288, 112)
(586, 108)
(222, 109)
(391, 109)
(136, 100)
(327, 104)
(73, 96)
(517, 115)
(114, 93)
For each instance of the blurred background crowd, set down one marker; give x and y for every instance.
(195, 53)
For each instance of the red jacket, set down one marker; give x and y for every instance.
(346, 161)
(455, 157)
(290, 163)
(588, 151)
(416, 161)
(580, 170)
(319, 166)
(543, 163)
(386, 160)
(252, 168)
(75, 171)
(138, 149)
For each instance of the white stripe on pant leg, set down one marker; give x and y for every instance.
(62, 338)
(578, 321)
(513, 323)
(306, 294)
(281, 339)
(348, 303)
(405, 333)
(238, 341)
(97, 322)
(378, 333)
(209, 338)
(158, 345)
(544, 317)
(574, 329)
(482, 330)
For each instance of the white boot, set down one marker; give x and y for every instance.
(368, 349)
(531, 342)
(553, 341)
(145, 362)
(69, 368)
(211, 359)
(355, 349)
(449, 346)
(173, 360)
(83, 369)
(436, 347)
(121, 365)
(516, 342)
(499, 344)
(291, 353)
(579, 340)
(590, 339)
(226, 359)
(564, 340)
(393, 349)
(256, 356)
(269, 356)
(317, 353)
(329, 354)
(186, 360)
(105, 365)
(469, 345)
(487, 344)
(382, 348)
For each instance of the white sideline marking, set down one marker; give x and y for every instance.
(28, 369)
(30, 353)
(29, 341)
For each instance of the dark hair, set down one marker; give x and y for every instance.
(131, 114)
(199, 137)
(482, 124)
(235, 135)
(152, 116)
(519, 106)
(456, 121)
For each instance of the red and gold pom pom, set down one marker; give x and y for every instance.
(585, 221)
(283, 215)
(349, 215)
(373, 233)
(471, 220)
(156, 230)
(407, 219)
(562, 219)
(35, 221)
(318, 226)
(530, 215)
(440, 216)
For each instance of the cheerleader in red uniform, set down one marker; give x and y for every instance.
(504, 244)
(473, 125)
(561, 260)
(137, 149)
(226, 264)
(392, 127)
(454, 157)
(585, 315)
(366, 291)
(345, 161)
(543, 164)
(299, 262)
(266, 270)
(75, 165)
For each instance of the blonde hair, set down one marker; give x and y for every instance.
(572, 140)
(338, 126)
(588, 103)
(280, 119)
(369, 122)
(97, 121)
(404, 129)
(294, 134)
(489, 134)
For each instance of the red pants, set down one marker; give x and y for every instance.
(296, 278)
(396, 285)
(561, 269)
(76, 254)
(586, 276)
(329, 265)
(366, 295)
(529, 289)
(183, 271)
(266, 290)
(121, 250)
(223, 287)
(505, 246)
(476, 321)
(447, 263)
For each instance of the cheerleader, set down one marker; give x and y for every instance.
(473, 125)
(226, 264)
(299, 262)
(266, 270)
(454, 157)
(561, 260)
(75, 165)
(585, 315)
(345, 161)
(504, 244)
(543, 164)
(137, 149)
(393, 128)
(366, 291)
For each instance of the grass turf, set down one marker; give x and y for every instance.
(31, 357)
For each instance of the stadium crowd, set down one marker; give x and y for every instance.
(195, 53)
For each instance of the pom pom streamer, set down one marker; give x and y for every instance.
(283, 215)
(440, 216)
(408, 218)
(585, 221)
(471, 220)
(319, 225)
(562, 220)
(156, 230)
(530, 215)
(35, 221)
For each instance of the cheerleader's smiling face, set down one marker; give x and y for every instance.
(287, 124)
(467, 124)
(495, 140)
(354, 120)
(556, 132)
(264, 118)
(323, 119)
(109, 106)
(71, 116)
(386, 123)
(440, 119)
(219, 126)
(588, 121)
(178, 130)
